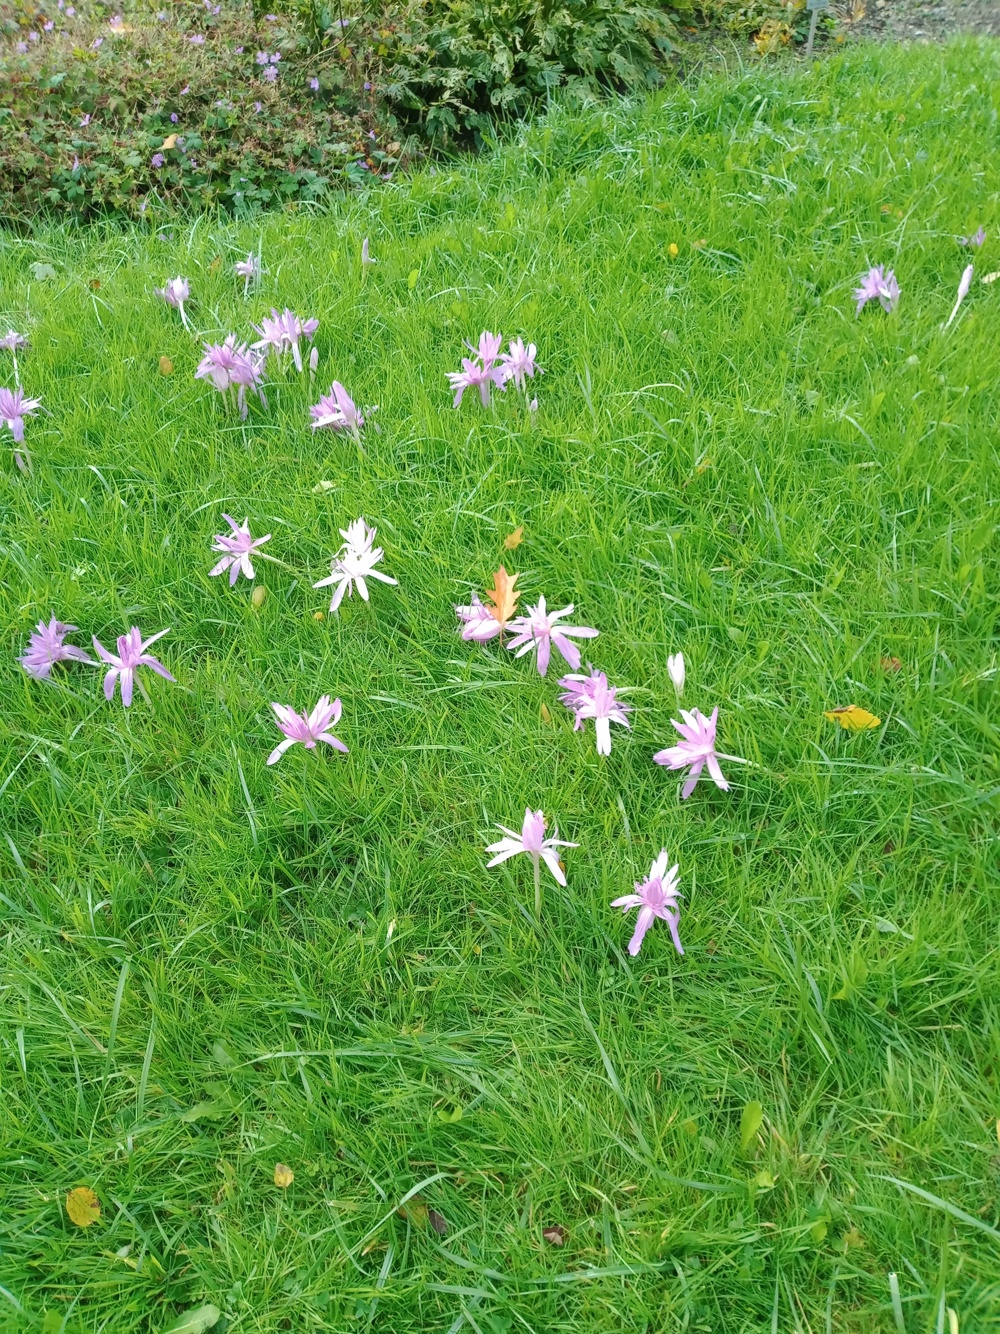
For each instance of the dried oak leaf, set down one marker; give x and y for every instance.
(513, 540)
(503, 596)
(83, 1206)
(283, 1176)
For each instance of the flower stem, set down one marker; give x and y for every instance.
(538, 887)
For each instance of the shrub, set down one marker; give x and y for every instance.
(453, 66)
(198, 107)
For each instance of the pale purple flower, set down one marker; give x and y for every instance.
(539, 630)
(21, 48)
(276, 57)
(12, 340)
(70, 12)
(284, 330)
(175, 291)
(238, 546)
(655, 897)
(48, 25)
(238, 50)
(115, 21)
(249, 270)
(963, 290)
(232, 365)
(76, 164)
(519, 361)
(592, 697)
(185, 90)
(97, 43)
(879, 283)
(977, 238)
(85, 121)
(532, 840)
(130, 657)
(46, 648)
(365, 256)
(481, 373)
(14, 407)
(32, 36)
(270, 74)
(261, 57)
(174, 118)
(675, 669)
(697, 749)
(156, 161)
(314, 85)
(270, 18)
(197, 39)
(354, 563)
(258, 107)
(478, 622)
(337, 410)
(313, 363)
(307, 728)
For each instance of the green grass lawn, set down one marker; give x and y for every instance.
(210, 966)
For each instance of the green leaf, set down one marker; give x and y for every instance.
(195, 1321)
(42, 272)
(750, 1123)
(207, 1111)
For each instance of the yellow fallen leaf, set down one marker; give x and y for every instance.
(546, 713)
(258, 595)
(170, 141)
(283, 1175)
(852, 718)
(514, 539)
(83, 1206)
(673, 250)
(166, 366)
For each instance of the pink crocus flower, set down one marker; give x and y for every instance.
(336, 410)
(519, 361)
(540, 849)
(655, 897)
(238, 548)
(125, 664)
(307, 728)
(539, 630)
(963, 290)
(478, 622)
(280, 331)
(232, 365)
(175, 291)
(355, 563)
(14, 407)
(46, 648)
(977, 238)
(249, 270)
(696, 749)
(482, 373)
(879, 283)
(592, 697)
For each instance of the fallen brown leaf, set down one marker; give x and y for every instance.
(503, 595)
(437, 1222)
(166, 366)
(513, 540)
(891, 665)
(556, 1235)
(283, 1176)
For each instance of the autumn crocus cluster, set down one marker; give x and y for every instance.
(489, 367)
(14, 407)
(878, 284)
(233, 368)
(47, 646)
(282, 332)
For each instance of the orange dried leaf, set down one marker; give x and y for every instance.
(891, 665)
(852, 718)
(283, 1176)
(83, 1206)
(503, 596)
(514, 539)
